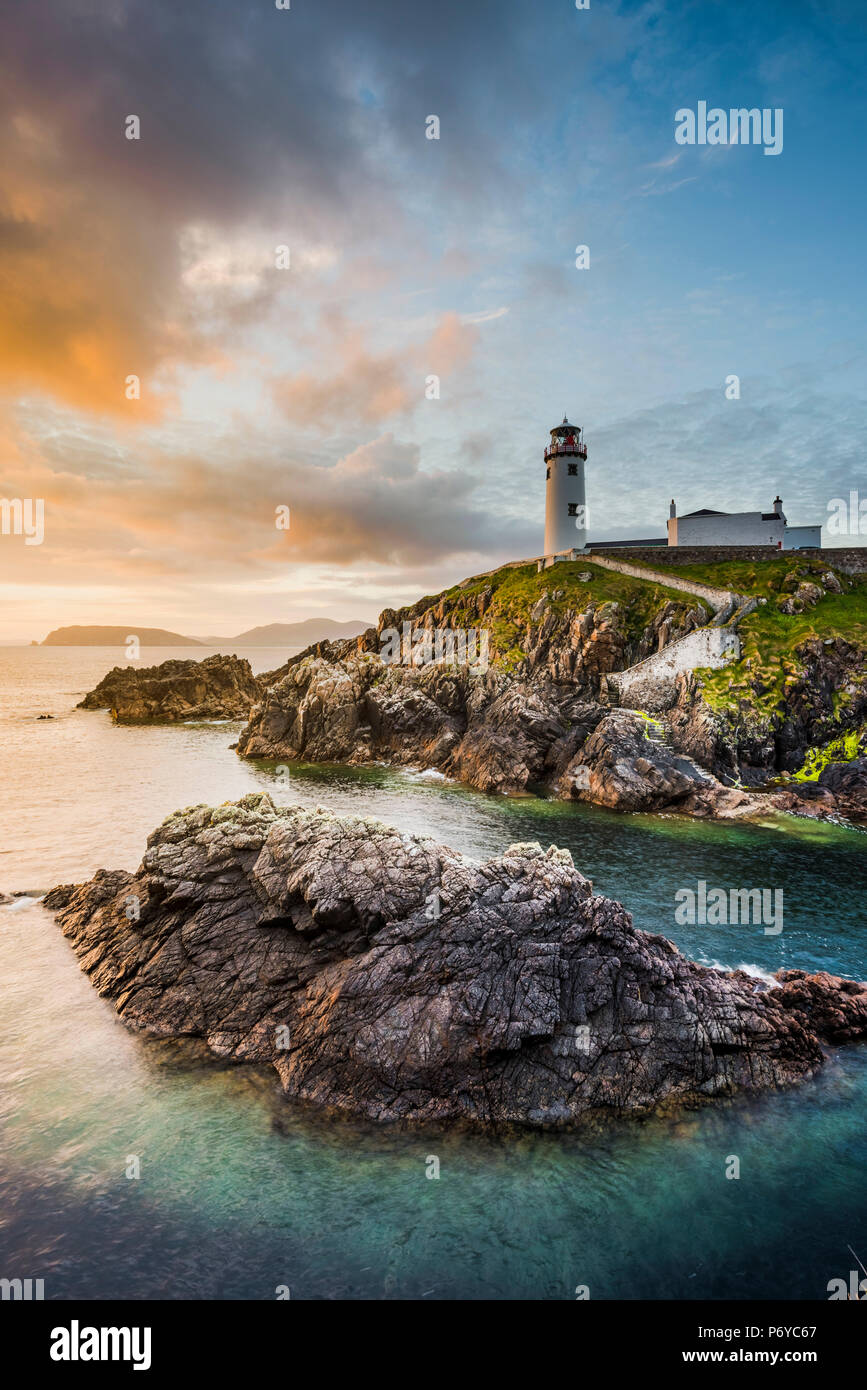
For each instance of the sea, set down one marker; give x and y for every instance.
(133, 1168)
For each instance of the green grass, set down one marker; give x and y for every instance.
(515, 592)
(762, 578)
(769, 641)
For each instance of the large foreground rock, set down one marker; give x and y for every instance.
(387, 975)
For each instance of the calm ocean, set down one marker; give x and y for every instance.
(240, 1192)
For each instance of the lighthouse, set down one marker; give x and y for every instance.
(565, 502)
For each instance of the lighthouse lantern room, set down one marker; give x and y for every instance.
(565, 502)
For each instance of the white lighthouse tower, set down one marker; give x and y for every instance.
(565, 502)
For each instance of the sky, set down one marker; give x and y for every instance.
(299, 378)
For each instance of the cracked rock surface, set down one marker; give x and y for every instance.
(389, 976)
(220, 687)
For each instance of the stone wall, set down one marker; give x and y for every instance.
(850, 559)
(717, 598)
(652, 684)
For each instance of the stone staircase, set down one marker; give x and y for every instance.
(658, 733)
(651, 684)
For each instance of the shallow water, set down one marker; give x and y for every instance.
(240, 1192)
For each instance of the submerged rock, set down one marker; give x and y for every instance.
(220, 687)
(386, 975)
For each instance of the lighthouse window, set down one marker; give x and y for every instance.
(573, 508)
(573, 470)
(547, 472)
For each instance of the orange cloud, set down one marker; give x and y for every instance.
(369, 387)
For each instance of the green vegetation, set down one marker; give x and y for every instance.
(751, 690)
(629, 604)
(839, 750)
(769, 665)
(653, 728)
(763, 578)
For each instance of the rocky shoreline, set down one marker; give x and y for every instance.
(387, 976)
(501, 734)
(540, 717)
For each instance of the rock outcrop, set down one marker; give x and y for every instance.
(385, 975)
(220, 687)
(627, 764)
(839, 792)
(754, 739)
(489, 730)
(540, 716)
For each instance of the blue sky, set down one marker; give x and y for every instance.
(410, 256)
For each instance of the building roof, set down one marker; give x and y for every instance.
(707, 511)
(566, 428)
(625, 545)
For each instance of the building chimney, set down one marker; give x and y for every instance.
(778, 504)
(672, 510)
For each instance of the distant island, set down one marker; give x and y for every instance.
(301, 634)
(116, 636)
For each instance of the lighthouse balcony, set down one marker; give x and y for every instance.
(576, 449)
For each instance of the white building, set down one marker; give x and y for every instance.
(706, 527)
(566, 513)
(565, 502)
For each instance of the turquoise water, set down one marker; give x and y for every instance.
(240, 1192)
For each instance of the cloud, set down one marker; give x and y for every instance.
(212, 513)
(370, 387)
(306, 387)
(666, 163)
(485, 315)
(141, 257)
(655, 190)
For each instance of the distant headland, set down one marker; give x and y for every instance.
(300, 634)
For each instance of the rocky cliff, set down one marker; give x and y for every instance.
(386, 975)
(755, 725)
(512, 724)
(734, 742)
(528, 705)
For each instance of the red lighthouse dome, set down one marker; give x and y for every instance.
(566, 439)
